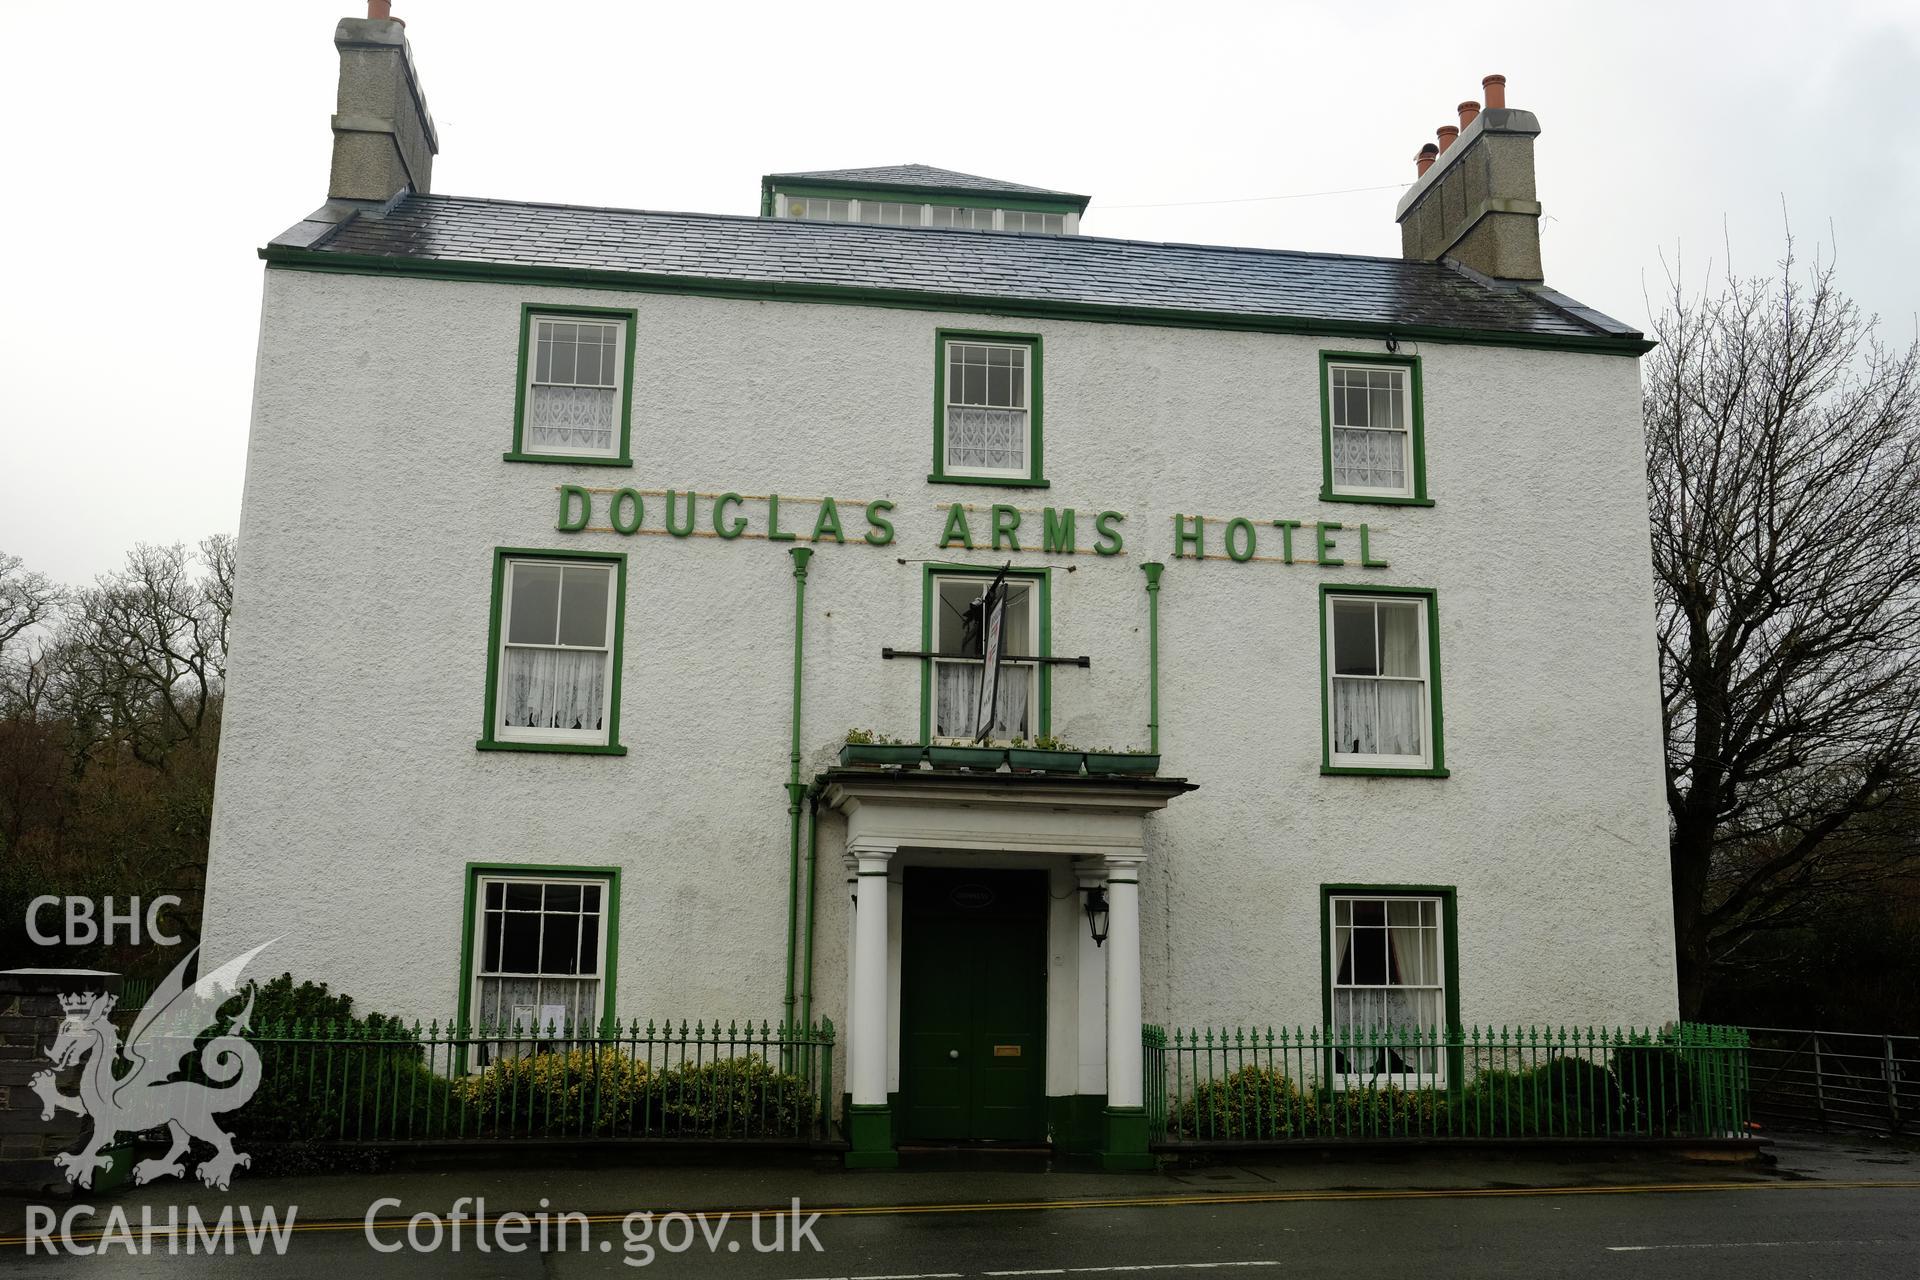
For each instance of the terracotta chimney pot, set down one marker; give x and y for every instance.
(379, 10)
(1424, 161)
(1494, 92)
(1469, 110)
(1446, 133)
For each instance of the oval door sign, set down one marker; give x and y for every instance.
(971, 897)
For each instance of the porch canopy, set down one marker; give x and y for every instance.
(1095, 821)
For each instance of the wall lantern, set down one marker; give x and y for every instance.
(1097, 914)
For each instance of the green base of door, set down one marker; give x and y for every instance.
(1126, 1139)
(870, 1135)
(1076, 1122)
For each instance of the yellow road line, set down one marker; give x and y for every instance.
(1130, 1202)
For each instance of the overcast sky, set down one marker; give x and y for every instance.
(153, 147)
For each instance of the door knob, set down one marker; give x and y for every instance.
(953, 1053)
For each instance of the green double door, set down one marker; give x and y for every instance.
(973, 1005)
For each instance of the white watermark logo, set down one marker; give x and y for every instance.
(468, 1227)
(83, 926)
(149, 1095)
(178, 1232)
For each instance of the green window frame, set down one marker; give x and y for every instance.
(1416, 495)
(1450, 954)
(471, 935)
(1435, 765)
(490, 739)
(1042, 581)
(531, 312)
(1035, 474)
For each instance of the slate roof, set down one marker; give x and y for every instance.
(923, 176)
(1075, 275)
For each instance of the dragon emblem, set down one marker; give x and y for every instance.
(131, 1088)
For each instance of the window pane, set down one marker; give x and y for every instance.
(494, 892)
(563, 897)
(583, 613)
(523, 897)
(1371, 912)
(1017, 632)
(490, 943)
(560, 944)
(543, 354)
(1402, 716)
(592, 898)
(958, 623)
(520, 952)
(563, 349)
(1353, 644)
(534, 606)
(590, 941)
(1369, 957)
(1399, 639)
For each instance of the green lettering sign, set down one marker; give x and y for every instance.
(956, 530)
(568, 522)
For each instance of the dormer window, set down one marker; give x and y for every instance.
(917, 195)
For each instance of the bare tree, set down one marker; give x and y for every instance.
(28, 603)
(1783, 456)
(148, 646)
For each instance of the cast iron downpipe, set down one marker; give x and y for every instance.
(1153, 570)
(795, 788)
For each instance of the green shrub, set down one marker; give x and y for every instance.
(1383, 1111)
(735, 1098)
(327, 1073)
(578, 1091)
(1657, 1084)
(1566, 1097)
(1252, 1104)
(583, 1092)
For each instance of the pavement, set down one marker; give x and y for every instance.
(1833, 1207)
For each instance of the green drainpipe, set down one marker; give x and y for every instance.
(813, 876)
(795, 788)
(1153, 570)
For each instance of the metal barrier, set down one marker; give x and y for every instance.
(1839, 1079)
(351, 1084)
(1321, 1083)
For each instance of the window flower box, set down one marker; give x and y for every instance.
(907, 754)
(1038, 760)
(980, 759)
(1138, 762)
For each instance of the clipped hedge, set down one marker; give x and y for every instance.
(605, 1092)
(1641, 1089)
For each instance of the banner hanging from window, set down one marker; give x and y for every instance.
(993, 611)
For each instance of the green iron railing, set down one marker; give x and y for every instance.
(351, 1083)
(1316, 1084)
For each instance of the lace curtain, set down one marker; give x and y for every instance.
(957, 694)
(554, 688)
(987, 438)
(527, 1005)
(1369, 459)
(571, 417)
(1378, 717)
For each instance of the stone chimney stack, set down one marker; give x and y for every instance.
(383, 138)
(1474, 202)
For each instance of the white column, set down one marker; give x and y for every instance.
(869, 1053)
(1123, 979)
(1092, 998)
